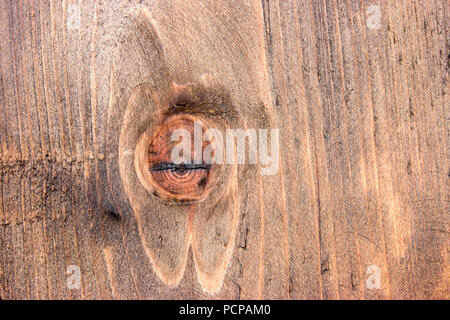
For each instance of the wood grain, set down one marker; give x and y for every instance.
(364, 173)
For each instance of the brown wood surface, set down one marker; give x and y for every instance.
(363, 115)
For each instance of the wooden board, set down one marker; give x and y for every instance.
(357, 89)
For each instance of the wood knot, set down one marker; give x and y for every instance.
(173, 164)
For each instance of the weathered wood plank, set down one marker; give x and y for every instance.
(360, 97)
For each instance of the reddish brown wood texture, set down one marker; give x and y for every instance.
(363, 117)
